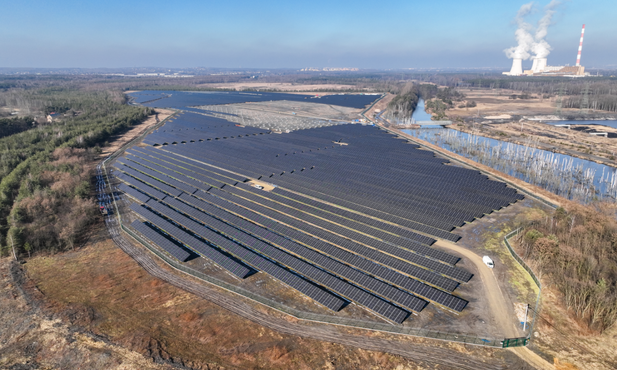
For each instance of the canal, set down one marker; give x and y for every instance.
(564, 175)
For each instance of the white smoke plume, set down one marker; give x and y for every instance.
(541, 48)
(526, 41)
(523, 34)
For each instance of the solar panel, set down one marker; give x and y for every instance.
(141, 186)
(158, 239)
(150, 181)
(193, 243)
(303, 268)
(375, 286)
(371, 267)
(364, 213)
(134, 193)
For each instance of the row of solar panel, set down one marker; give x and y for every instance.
(134, 193)
(195, 180)
(191, 169)
(158, 239)
(192, 242)
(346, 198)
(372, 191)
(360, 236)
(411, 236)
(149, 180)
(259, 263)
(291, 198)
(303, 268)
(320, 209)
(353, 247)
(208, 202)
(450, 226)
(333, 266)
(159, 175)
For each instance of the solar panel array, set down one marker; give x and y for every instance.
(203, 249)
(186, 99)
(160, 240)
(352, 215)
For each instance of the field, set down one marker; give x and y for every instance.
(496, 102)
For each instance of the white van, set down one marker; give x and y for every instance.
(488, 261)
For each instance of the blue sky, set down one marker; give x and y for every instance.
(279, 34)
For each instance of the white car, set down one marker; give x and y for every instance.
(488, 261)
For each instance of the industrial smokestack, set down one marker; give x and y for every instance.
(580, 48)
(517, 67)
(534, 66)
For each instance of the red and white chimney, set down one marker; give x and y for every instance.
(580, 48)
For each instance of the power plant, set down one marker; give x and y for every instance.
(541, 68)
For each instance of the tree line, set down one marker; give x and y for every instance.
(576, 251)
(45, 170)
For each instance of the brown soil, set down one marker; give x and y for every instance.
(497, 102)
(117, 142)
(380, 106)
(103, 291)
(34, 337)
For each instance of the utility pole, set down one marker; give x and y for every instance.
(585, 100)
(13, 247)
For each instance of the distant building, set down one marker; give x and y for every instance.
(53, 116)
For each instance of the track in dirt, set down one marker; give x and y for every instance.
(441, 356)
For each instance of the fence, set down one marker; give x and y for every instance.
(298, 314)
(518, 259)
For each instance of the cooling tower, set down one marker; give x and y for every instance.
(541, 64)
(517, 67)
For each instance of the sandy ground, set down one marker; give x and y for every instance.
(381, 105)
(303, 109)
(118, 142)
(34, 337)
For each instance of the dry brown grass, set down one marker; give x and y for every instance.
(101, 288)
(497, 101)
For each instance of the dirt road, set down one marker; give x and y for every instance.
(502, 311)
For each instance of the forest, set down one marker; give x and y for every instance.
(601, 91)
(437, 100)
(45, 168)
(576, 251)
